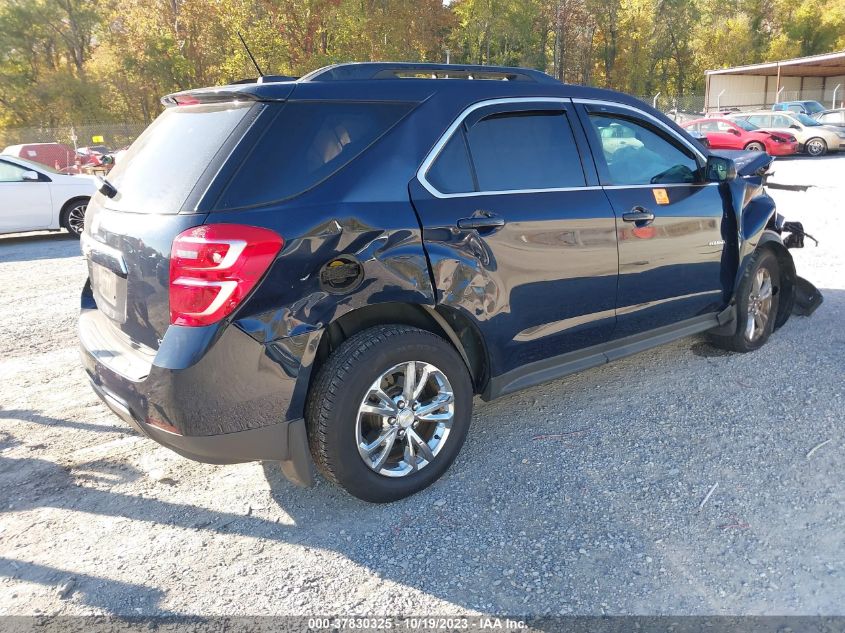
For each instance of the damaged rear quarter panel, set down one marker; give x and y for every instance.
(379, 237)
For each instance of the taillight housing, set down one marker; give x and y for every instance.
(214, 266)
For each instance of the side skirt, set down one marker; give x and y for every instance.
(565, 364)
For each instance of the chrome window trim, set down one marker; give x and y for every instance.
(661, 185)
(447, 135)
(650, 117)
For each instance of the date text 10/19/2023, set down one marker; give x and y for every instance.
(422, 623)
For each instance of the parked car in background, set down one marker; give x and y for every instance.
(813, 138)
(34, 197)
(343, 262)
(58, 156)
(96, 159)
(802, 107)
(698, 136)
(834, 118)
(740, 134)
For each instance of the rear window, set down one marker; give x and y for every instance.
(307, 142)
(164, 164)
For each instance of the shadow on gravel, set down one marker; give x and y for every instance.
(706, 350)
(25, 248)
(510, 519)
(93, 590)
(32, 416)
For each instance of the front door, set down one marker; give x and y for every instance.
(24, 204)
(520, 237)
(672, 237)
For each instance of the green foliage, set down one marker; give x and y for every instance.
(68, 62)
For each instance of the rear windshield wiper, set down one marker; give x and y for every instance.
(106, 188)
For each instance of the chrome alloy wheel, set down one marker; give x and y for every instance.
(76, 218)
(404, 419)
(759, 305)
(816, 147)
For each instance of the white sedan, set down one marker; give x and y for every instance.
(34, 197)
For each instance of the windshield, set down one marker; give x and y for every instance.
(32, 165)
(812, 107)
(804, 119)
(745, 125)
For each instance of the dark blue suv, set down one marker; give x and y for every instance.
(342, 262)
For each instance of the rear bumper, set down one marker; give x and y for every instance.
(285, 442)
(230, 399)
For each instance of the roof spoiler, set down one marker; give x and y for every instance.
(242, 91)
(400, 70)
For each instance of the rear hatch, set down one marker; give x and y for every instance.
(160, 186)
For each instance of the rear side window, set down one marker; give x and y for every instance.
(164, 164)
(533, 150)
(509, 151)
(307, 142)
(451, 172)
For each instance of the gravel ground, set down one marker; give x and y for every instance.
(580, 496)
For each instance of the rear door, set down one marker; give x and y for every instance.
(520, 237)
(669, 224)
(24, 204)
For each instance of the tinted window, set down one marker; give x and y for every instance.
(780, 121)
(745, 125)
(11, 173)
(637, 155)
(760, 120)
(306, 143)
(451, 171)
(525, 150)
(164, 164)
(807, 120)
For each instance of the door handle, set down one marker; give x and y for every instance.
(638, 214)
(481, 222)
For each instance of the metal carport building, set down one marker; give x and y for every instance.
(818, 77)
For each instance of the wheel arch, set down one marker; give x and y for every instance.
(443, 321)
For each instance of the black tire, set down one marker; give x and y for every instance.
(740, 341)
(755, 146)
(71, 214)
(816, 146)
(338, 391)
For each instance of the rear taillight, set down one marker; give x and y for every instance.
(213, 267)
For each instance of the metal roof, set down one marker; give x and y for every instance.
(828, 65)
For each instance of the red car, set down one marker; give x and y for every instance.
(737, 134)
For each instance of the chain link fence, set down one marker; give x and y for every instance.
(115, 136)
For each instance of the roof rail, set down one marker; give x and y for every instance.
(400, 70)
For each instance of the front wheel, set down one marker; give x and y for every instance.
(389, 412)
(816, 147)
(758, 293)
(73, 217)
(754, 146)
